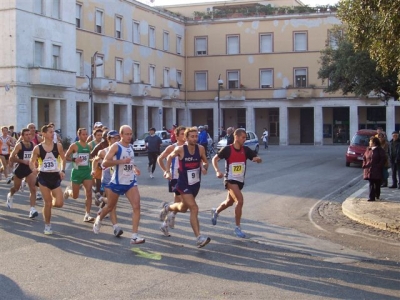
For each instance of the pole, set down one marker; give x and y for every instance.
(220, 82)
(93, 58)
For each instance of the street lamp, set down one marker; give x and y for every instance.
(220, 83)
(94, 62)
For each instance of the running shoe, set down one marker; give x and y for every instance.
(164, 230)
(118, 231)
(10, 178)
(97, 225)
(88, 219)
(48, 230)
(214, 216)
(10, 200)
(137, 240)
(23, 185)
(164, 211)
(98, 199)
(202, 241)
(33, 213)
(239, 232)
(171, 220)
(151, 175)
(66, 193)
(39, 196)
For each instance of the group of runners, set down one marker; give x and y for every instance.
(104, 161)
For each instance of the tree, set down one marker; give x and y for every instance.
(354, 71)
(374, 26)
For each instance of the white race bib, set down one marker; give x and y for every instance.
(127, 170)
(27, 155)
(237, 171)
(49, 165)
(193, 176)
(85, 159)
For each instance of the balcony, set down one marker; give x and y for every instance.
(234, 94)
(104, 85)
(140, 89)
(170, 93)
(296, 93)
(52, 77)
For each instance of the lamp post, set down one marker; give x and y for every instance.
(220, 83)
(94, 62)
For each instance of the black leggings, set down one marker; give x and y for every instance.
(152, 160)
(374, 188)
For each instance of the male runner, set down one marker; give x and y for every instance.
(235, 156)
(5, 144)
(21, 155)
(79, 153)
(179, 133)
(190, 169)
(36, 139)
(51, 168)
(123, 181)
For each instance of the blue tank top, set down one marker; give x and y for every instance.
(189, 167)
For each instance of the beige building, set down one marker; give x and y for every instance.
(123, 62)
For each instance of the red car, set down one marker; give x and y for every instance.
(358, 145)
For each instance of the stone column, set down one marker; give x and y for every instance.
(250, 119)
(54, 112)
(353, 120)
(34, 111)
(283, 126)
(318, 125)
(390, 119)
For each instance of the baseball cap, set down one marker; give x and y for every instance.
(98, 124)
(112, 133)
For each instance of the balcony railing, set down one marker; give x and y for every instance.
(104, 85)
(52, 77)
(170, 93)
(234, 94)
(140, 89)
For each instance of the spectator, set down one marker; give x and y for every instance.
(153, 143)
(223, 133)
(202, 139)
(394, 156)
(229, 136)
(265, 137)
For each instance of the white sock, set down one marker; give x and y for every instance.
(32, 208)
(115, 226)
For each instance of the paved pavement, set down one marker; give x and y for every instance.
(383, 213)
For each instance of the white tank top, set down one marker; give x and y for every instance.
(124, 173)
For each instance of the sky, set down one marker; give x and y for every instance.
(167, 2)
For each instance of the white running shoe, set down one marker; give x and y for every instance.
(164, 230)
(97, 225)
(164, 211)
(202, 241)
(151, 175)
(10, 200)
(33, 213)
(66, 193)
(48, 230)
(23, 185)
(171, 220)
(88, 219)
(39, 196)
(137, 240)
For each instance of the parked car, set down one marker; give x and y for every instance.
(358, 145)
(139, 146)
(251, 142)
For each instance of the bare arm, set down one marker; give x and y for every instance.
(178, 151)
(71, 150)
(215, 161)
(33, 160)
(204, 160)
(63, 161)
(14, 158)
(109, 160)
(164, 155)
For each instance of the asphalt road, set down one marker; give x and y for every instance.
(297, 246)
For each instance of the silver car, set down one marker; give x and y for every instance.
(251, 142)
(139, 146)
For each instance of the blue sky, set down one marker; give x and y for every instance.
(307, 2)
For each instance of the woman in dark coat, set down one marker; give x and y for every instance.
(373, 162)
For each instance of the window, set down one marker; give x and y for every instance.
(136, 72)
(56, 57)
(266, 43)
(233, 79)
(99, 21)
(100, 67)
(78, 16)
(38, 54)
(179, 79)
(201, 81)
(178, 44)
(266, 79)
(152, 37)
(273, 122)
(152, 75)
(200, 46)
(79, 63)
(300, 77)
(300, 41)
(38, 7)
(55, 13)
(334, 37)
(166, 77)
(232, 44)
(119, 71)
(118, 27)
(136, 32)
(166, 41)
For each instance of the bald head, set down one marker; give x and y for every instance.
(125, 128)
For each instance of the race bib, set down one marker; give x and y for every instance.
(85, 159)
(193, 176)
(127, 170)
(4, 150)
(237, 171)
(27, 155)
(49, 165)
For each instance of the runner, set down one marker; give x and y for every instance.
(36, 139)
(97, 125)
(112, 137)
(235, 156)
(179, 133)
(79, 153)
(190, 156)
(51, 167)
(21, 155)
(5, 144)
(123, 181)
(97, 169)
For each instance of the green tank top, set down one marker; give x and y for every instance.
(84, 154)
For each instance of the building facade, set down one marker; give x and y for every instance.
(124, 62)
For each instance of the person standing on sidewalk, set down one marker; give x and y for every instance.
(265, 138)
(21, 155)
(385, 146)
(153, 144)
(169, 221)
(192, 163)
(51, 168)
(373, 162)
(235, 156)
(394, 156)
(123, 181)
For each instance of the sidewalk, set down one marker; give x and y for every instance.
(383, 214)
